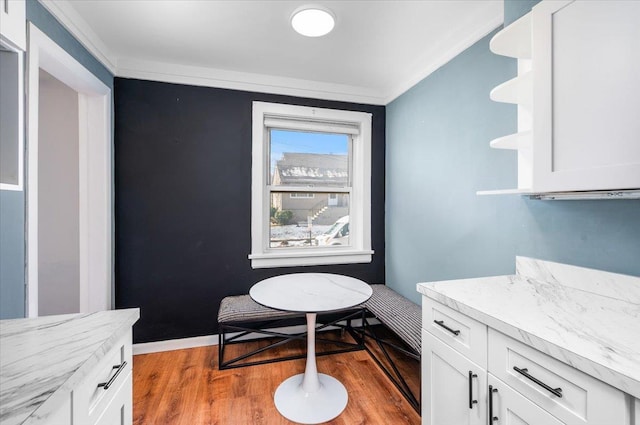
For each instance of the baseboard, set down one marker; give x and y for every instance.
(207, 340)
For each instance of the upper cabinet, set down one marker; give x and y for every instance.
(578, 95)
(13, 30)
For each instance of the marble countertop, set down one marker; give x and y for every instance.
(586, 318)
(43, 358)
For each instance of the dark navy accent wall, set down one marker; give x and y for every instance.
(183, 203)
(438, 156)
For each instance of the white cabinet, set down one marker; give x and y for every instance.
(473, 374)
(507, 406)
(13, 29)
(578, 95)
(453, 387)
(105, 395)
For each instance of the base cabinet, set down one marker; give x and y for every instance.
(454, 387)
(104, 397)
(515, 384)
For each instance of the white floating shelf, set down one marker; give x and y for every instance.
(518, 90)
(505, 192)
(516, 141)
(567, 196)
(515, 40)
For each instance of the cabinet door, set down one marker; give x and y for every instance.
(120, 408)
(453, 387)
(586, 60)
(508, 407)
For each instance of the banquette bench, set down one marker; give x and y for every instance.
(239, 317)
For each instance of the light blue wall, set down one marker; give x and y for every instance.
(11, 254)
(513, 9)
(40, 17)
(12, 209)
(438, 156)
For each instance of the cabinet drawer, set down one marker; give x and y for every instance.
(568, 394)
(461, 332)
(507, 406)
(92, 396)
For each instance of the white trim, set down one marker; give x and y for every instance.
(208, 340)
(96, 265)
(442, 58)
(21, 120)
(293, 259)
(81, 31)
(174, 344)
(360, 194)
(261, 83)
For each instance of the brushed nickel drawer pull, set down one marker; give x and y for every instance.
(441, 323)
(525, 372)
(120, 367)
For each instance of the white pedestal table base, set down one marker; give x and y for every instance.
(297, 405)
(311, 397)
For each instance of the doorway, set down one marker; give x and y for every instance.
(69, 183)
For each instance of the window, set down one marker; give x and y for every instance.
(311, 194)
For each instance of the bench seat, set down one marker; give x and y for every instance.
(241, 308)
(240, 317)
(398, 314)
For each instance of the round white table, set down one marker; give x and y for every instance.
(312, 397)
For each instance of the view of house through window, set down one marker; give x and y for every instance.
(310, 186)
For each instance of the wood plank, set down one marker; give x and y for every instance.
(185, 387)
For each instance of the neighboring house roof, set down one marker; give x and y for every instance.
(311, 169)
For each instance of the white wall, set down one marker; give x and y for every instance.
(58, 218)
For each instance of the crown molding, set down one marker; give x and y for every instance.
(443, 57)
(211, 77)
(80, 29)
(236, 80)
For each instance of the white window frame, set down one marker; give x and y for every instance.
(303, 117)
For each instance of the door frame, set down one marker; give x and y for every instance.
(95, 172)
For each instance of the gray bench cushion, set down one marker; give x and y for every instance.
(242, 308)
(398, 314)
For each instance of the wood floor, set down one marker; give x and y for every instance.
(185, 387)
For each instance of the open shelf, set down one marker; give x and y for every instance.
(518, 90)
(515, 40)
(567, 196)
(505, 192)
(521, 140)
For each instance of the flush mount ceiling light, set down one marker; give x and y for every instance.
(313, 21)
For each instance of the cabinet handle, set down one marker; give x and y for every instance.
(120, 367)
(491, 417)
(471, 400)
(524, 371)
(441, 323)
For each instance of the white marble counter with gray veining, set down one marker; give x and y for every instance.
(586, 318)
(43, 358)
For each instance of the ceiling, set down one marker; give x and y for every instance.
(377, 50)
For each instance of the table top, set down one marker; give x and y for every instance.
(310, 292)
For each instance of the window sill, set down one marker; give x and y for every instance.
(316, 258)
